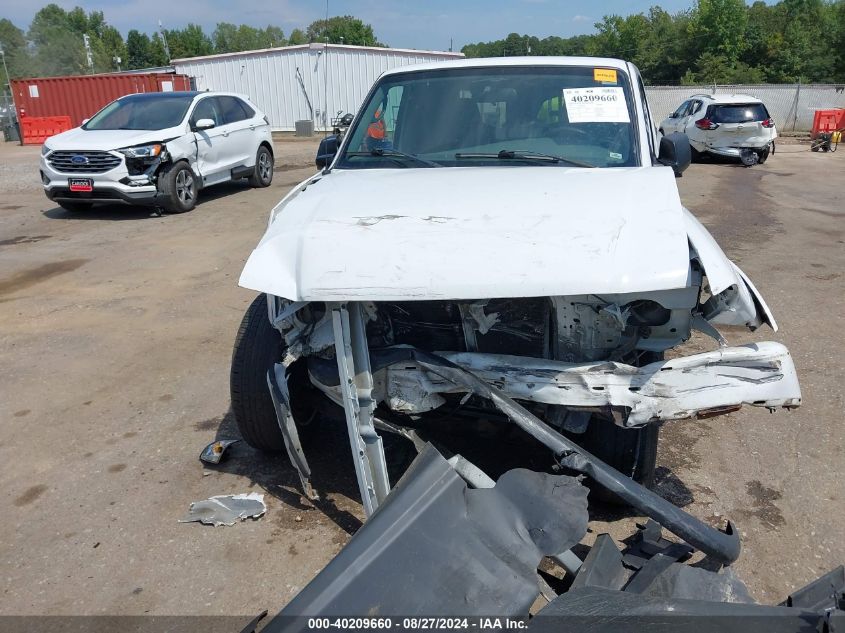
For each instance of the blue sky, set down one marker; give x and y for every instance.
(425, 24)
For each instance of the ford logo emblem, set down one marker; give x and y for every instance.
(78, 159)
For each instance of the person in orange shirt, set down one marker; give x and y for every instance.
(376, 131)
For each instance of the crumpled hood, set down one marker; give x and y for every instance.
(474, 233)
(106, 140)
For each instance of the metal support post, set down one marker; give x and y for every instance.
(356, 384)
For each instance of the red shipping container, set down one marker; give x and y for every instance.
(79, 97)
(828, 121)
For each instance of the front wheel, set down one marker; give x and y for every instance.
(633, 452)
(263, 175)
(258, 346)
(178, 186)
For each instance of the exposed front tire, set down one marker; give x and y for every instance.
(178, 187)
(263, 175)
(258, 346)
(633, 452)
(76, 207)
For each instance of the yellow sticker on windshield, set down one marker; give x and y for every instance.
(604, 74)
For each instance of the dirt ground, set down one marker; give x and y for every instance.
(115, 344)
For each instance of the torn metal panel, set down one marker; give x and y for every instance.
(437, 547)
(722, 546)
(278, 384)
(758, 374)
(226, 509)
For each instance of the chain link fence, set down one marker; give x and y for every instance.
(791, 105)
(8, 119)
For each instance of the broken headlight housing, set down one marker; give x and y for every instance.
(153, 150)
(140, 158)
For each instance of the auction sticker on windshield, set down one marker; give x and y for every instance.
(596, 105)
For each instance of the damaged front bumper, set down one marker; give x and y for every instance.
(697, 386)
(738, 152)
(359, 377)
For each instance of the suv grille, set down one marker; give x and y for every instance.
(94, 163)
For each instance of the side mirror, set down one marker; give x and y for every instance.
(675, 152)
(204, 124)
(674, 115)
(326, 151)
(84, 121)
(346, 121)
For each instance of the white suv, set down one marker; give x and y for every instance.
(158, 149)
(736, 126)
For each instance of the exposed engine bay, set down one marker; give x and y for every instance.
(565, 355)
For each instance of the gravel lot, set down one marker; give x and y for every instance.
(114, 355)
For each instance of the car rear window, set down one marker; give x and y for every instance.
(739, 113)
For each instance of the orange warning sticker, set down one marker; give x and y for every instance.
(604, 74)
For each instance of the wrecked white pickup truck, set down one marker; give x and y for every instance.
(498, 237)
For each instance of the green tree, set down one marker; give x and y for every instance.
(273, 37)
(109, 47)
(188, 42)
(58, 47)
(342, 29)
(229, 38)
(718, 27)
(137, 50)
(158, 54)
(13, 44)
(297, 37)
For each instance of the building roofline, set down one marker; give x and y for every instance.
(319, 46)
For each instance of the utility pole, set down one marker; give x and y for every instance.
(164, 40)
(6, 70)
(8, 81)
(87, 41)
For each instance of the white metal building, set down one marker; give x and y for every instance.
(308, 82)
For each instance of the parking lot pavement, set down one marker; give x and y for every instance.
(114, 351)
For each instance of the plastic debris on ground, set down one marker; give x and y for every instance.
(226, 509)
(214, 452)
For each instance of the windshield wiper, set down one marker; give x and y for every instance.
(380, 151)
(392, 153)
(518, 154)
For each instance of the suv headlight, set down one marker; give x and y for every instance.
(142, 151)
(45, 150)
